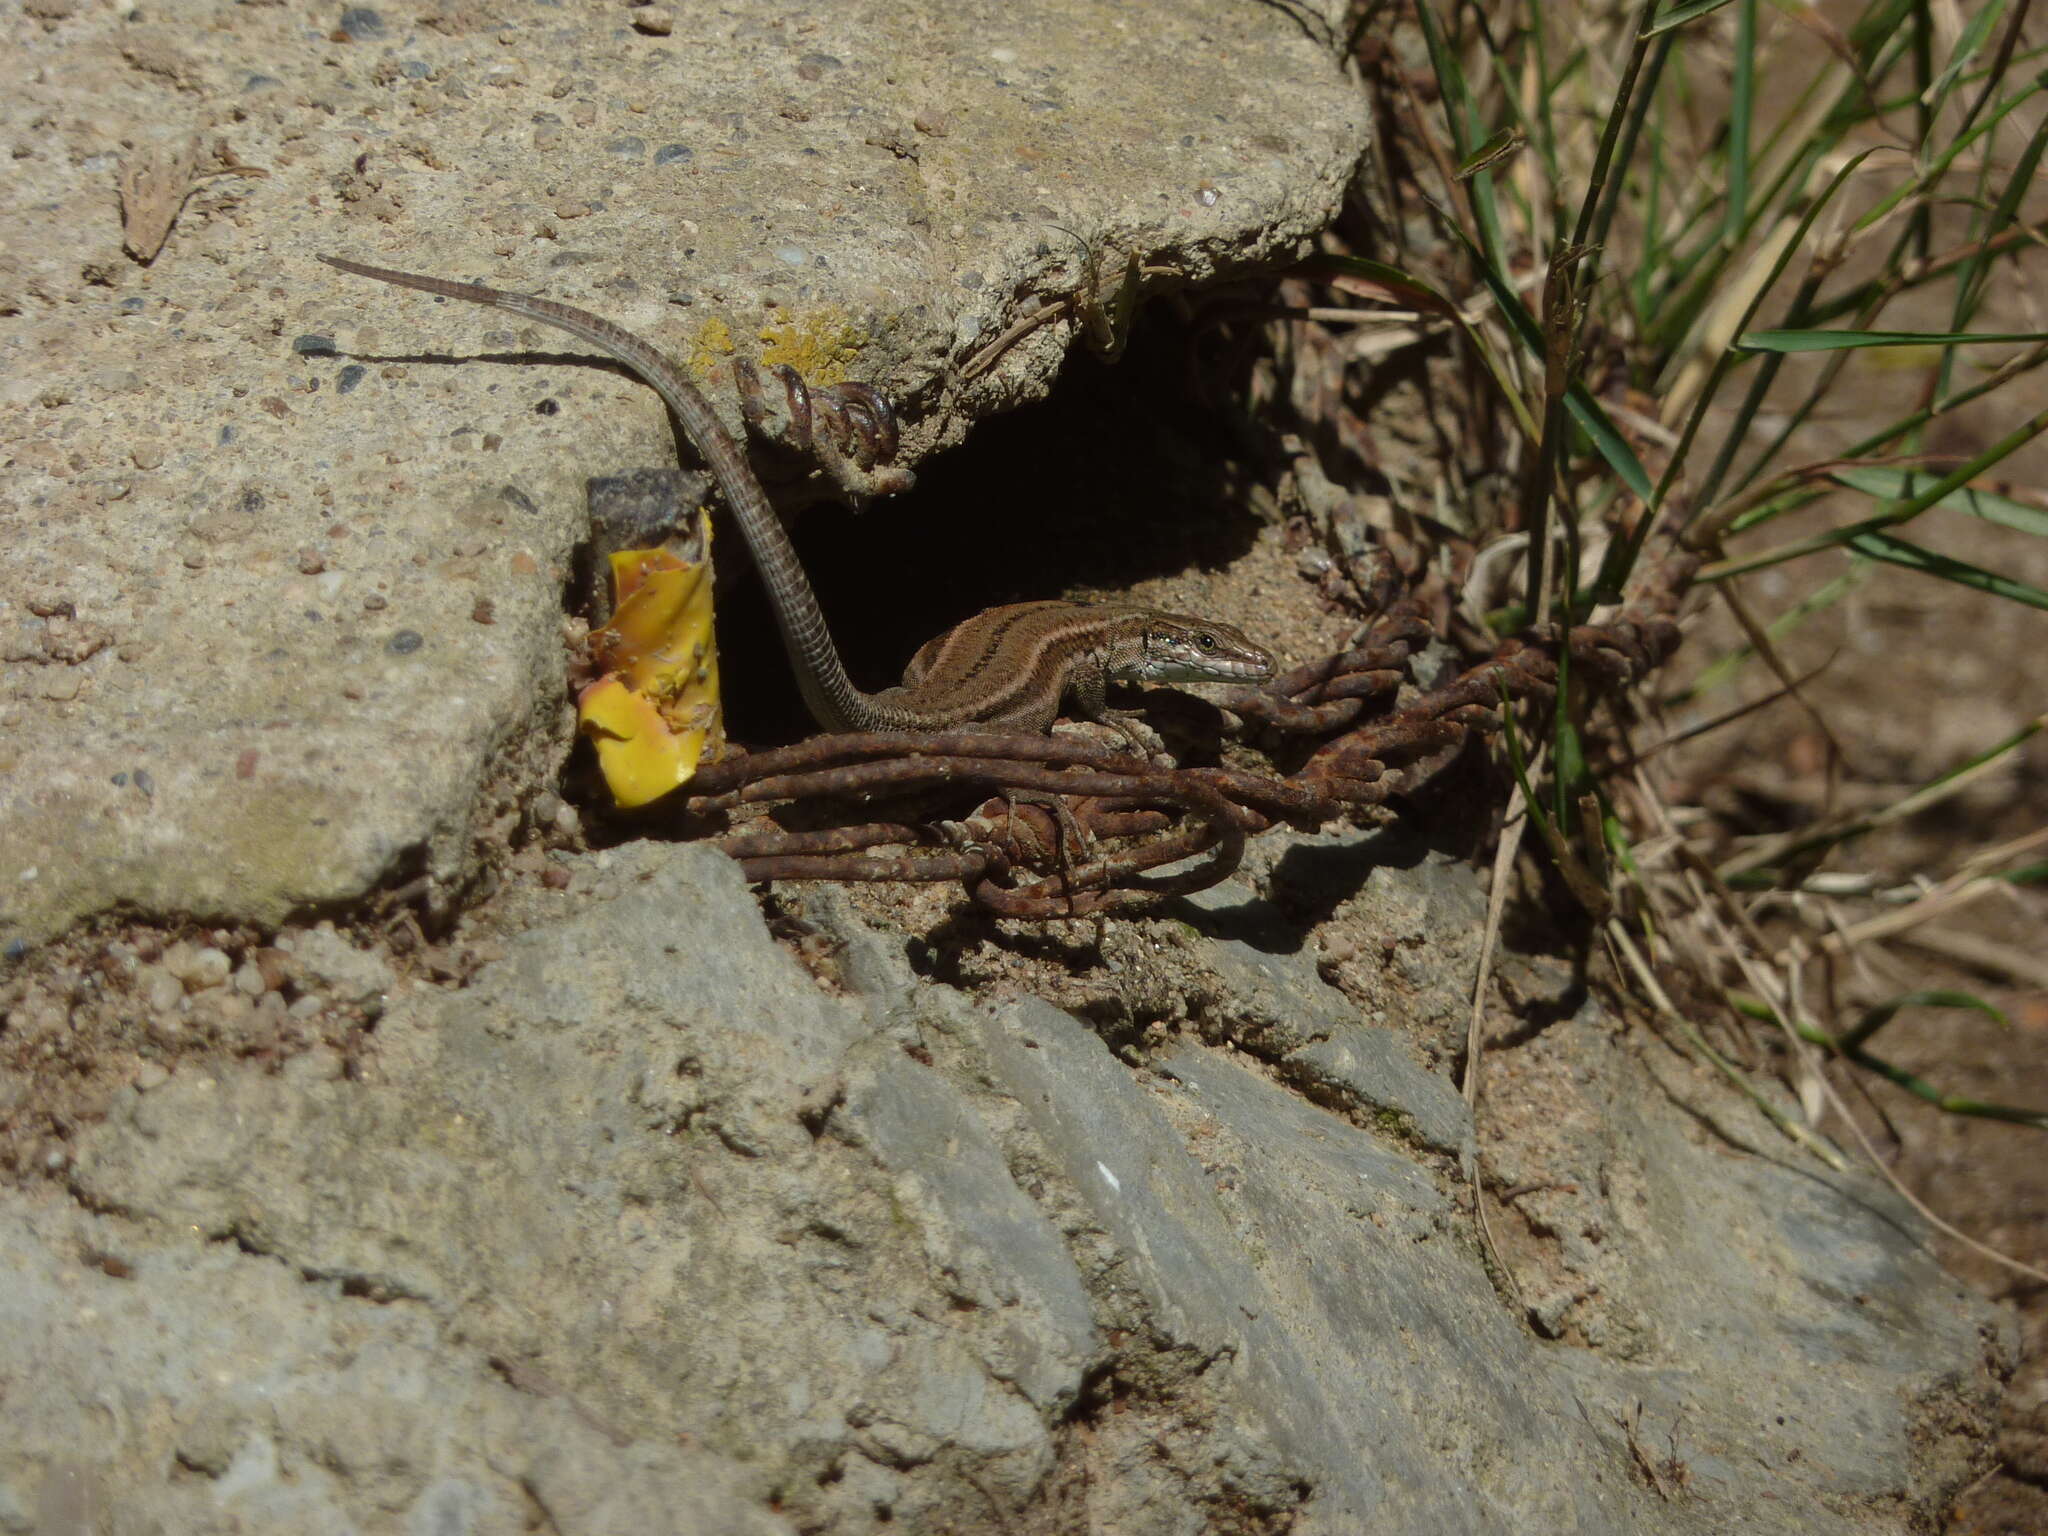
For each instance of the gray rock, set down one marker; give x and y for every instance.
(643, 1220)
(1279, 1008)
(322, 958)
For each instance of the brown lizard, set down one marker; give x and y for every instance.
(1008, 667)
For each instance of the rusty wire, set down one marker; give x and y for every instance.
(1070, 828)
(848, 429)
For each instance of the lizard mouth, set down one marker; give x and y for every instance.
(1210, 670)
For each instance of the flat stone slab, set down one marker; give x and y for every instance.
(280, 582)
(643, 1217)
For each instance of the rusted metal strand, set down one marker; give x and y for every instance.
(1105, 795)
(775, 841)
(1220, 832)
(920, 868)
(714, 784)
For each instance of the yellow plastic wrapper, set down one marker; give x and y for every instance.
(654, 713)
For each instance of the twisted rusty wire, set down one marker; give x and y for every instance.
(848, 429)
(1070, 828)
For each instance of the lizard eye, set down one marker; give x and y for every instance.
(1206, 641)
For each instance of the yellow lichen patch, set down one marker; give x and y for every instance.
(654, 713)
(821, 345)
(712, 345)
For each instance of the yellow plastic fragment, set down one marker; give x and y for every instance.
(654, 714)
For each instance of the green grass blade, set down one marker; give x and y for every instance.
(1896, 551)
(1738, 871)
(1741, 118)
(1974, 33)
(1883, 1013)
(1623, 553)
(1897, 485)
(1721, 671)
(1676, 16)
(2004, 215)
(1836, 341)
(1463, 118)
(1938, 166)
(1880, 440)
(1585, 410)
(1954, 480)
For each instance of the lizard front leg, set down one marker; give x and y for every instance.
(1088, 689)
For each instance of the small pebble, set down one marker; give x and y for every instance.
(307, 1006)
(349, 378)
(210, 968)
(146, 455)
(249, 981)
(628, 148)
(669, 154)
(360, 24)
(150, 1075)
(405, 642)
(555, 878)
(313, 346)
(275, 967)
(160, 989)
(311, 563)
(220, 1009)
(654, 20)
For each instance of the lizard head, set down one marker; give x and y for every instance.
(1180, 649)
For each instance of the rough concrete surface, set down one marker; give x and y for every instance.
(261, 534)
(621, 1211)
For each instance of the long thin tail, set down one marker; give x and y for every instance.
(827, 691)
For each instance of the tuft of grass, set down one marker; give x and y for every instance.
(1663, 252)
